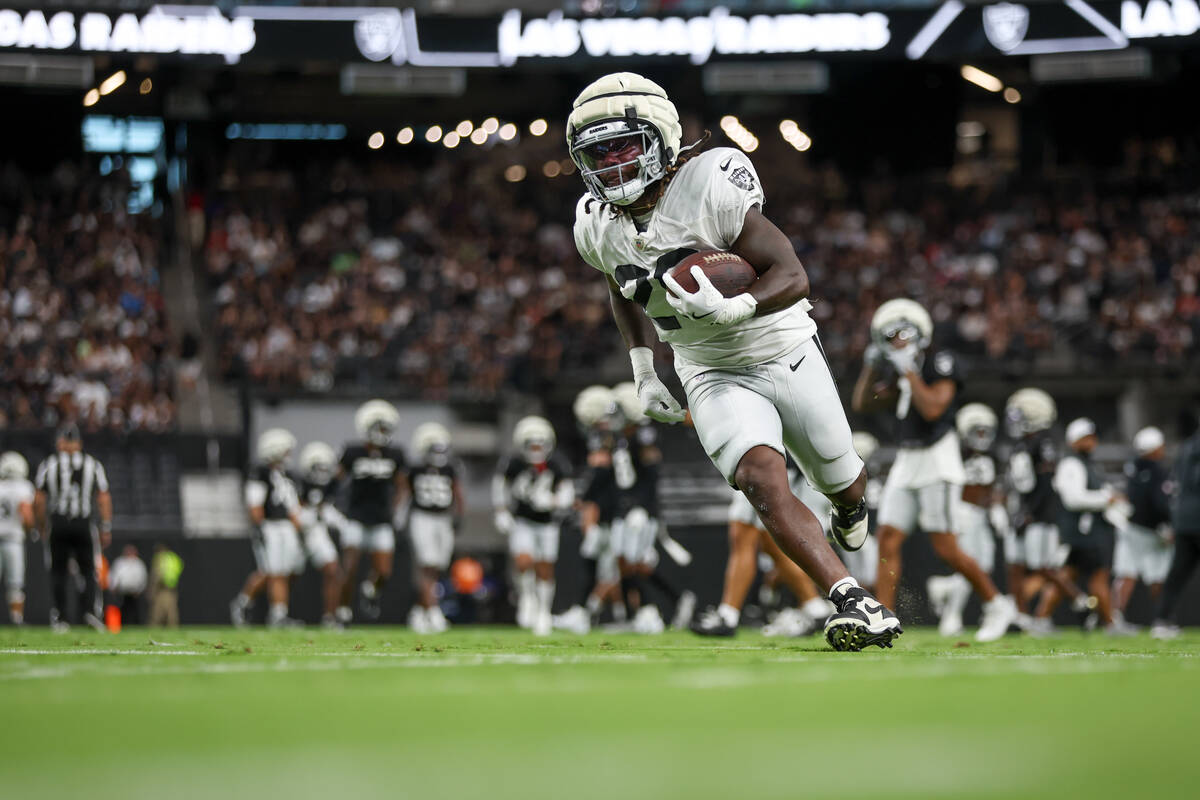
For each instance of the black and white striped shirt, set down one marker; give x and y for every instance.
(70, 480)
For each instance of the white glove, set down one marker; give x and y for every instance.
(503, 521)
(707, 303)
(998, 517)
(657, 401)
(904, 359)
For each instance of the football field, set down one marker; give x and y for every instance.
(496, 713)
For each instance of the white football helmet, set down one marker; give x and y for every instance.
(431, 443)
(610, 114)
(275, 445)
(902, 317)
(1029, 411)
(534, 437)
(864, 444)
(631, 405)
(318, 462)
(13, 467)
(376, 421)
(595, 405)
(977, 424)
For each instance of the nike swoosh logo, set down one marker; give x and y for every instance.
(798, 363)
(709, 314)
(725, 166)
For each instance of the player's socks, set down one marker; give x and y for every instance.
(845, 583)
(818, 608)
(620, 613)
(545, 596)
(526, 598)
(729, 615)
(277, 615)
(344, 615)
(18, 618)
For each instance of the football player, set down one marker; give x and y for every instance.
(531, 491)
(980, 515)
(274, 509)
(1144, 544)
(746, 535)
(1086, 523)
(16, 518)
(437, 505)
(638, 529)
(318, 465)
(901, 376)
(755, 378)
(375, 471)
(1032, 549)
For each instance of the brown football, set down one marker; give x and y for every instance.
(729, 272)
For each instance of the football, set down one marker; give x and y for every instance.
(729, 272)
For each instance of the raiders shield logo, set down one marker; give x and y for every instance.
(378, 35)
(1005, 25)
(742, 178)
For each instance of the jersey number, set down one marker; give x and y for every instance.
(433, 491)
(537, 493)
(643, 287)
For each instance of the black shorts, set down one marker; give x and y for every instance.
(1091, 556)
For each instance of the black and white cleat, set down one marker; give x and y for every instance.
(860, 621)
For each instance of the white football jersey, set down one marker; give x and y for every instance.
(12, 495)
(703, 208)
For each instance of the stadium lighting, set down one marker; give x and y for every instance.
(984, 80)
(433, 134)
(376, 140)
(464, 128)
(113, 82)
(739, 133)
(92, 97)
(1012, 95)
(514, 174)
(491, 125)
(452, 139)
(404, 136)
(479, 136)
(538, 127)
(792, 134)
(146, 87)
(508, 131)
(551, 169)
(567, 166)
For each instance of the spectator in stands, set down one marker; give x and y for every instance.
(165, 570)
(127, 582)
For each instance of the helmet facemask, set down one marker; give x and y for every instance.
(901, 329)
(380, 433)
(624, 182)
(980, 438)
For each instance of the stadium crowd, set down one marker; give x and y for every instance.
(450, 279)
(83, 328)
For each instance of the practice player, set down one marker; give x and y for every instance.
(274, 509)
(980, 514)
(1144, 545)
(901, 377)
(755, 378)
(375, 471)
(318, 514)
(531, 492)
(16, 519)
(437, 505)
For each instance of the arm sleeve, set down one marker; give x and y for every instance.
(582, 243)
(1070, 480)
(735, 189)
(39, 480)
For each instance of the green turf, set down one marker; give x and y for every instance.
(495, 713)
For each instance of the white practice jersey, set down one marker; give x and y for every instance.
(12, 494)
(703, 208)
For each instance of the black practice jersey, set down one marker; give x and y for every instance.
(315, 495)
(1031, 475)
(372, 476)
(533, 488)
(1148, 492)
(644, 453)
(433, 487)
(271, 488)
(912, 429)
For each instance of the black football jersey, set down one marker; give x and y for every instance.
(1149, 492)
(372, 473)
(1031, 476)
(280, 499)
(912, 429)
(315, 495)
(433, 487)
(534, 487)
(645, 462)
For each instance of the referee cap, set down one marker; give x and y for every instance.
(69, 431)
(1147, 440)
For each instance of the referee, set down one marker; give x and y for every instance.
(66, 483)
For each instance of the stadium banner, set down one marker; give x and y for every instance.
(278, 34)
